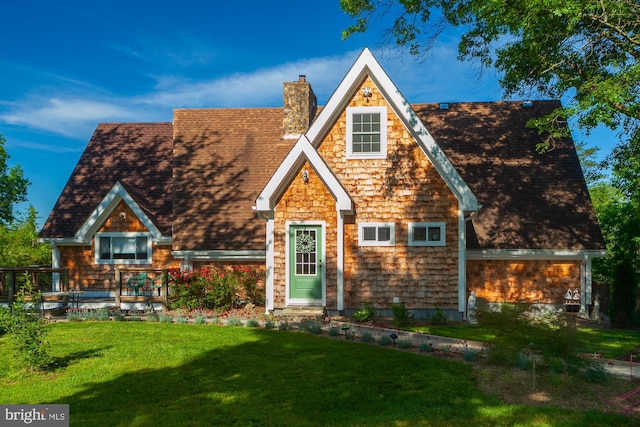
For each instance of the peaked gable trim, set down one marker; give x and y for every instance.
(277, 185)
(367, 65)
(106, 207)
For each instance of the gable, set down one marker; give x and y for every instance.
(135, 154)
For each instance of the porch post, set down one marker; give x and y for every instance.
(462, 261)
(340, 260)
(55, 263)
(269, 263)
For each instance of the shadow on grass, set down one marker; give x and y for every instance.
(276, 378)
(58, 363)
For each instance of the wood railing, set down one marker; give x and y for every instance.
(129, 280)
(48, 280)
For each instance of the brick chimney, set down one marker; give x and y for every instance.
(300, 106)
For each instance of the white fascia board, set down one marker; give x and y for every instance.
(213, 255)
(104, 209)
(366, 64)
(63, 241)
(533, 254)
(301, 151)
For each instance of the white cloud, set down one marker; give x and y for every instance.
(76, 113)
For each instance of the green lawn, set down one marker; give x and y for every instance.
(611, 343)
(155, 374)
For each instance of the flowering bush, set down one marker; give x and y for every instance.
(214, 288)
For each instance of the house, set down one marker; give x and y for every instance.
(369, 198)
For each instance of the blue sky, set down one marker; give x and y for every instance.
(68, 65)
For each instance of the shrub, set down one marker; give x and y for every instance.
(334, 331)
(269, 324)
(214, 288)
(426, 347)
(367, 337)
(311, 326)
(253, 323)
(182, 320)
(438, 318)
(5, 320)
(401, 315)
(384, 340)
(28, 330)
(469, 355)
(234, 321)
(284, 326)
(102, 314)
(152, 317)
(165, 318)
(200, 319)
(74, 315)
(405, 344)
(365, 313)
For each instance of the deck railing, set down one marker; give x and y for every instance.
(143, 283)
(47, 280)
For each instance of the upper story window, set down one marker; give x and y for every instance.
(376, 234)
(123, 248)
(367, 132)
(426, 234)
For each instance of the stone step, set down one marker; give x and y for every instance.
(301, 311)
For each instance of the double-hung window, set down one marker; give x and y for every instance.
(366, 132)
(376, 234)
(426, 234)
(123, 248)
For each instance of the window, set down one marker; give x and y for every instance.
(123, 248)
(367, 132)
(426, 234)
(376, 234)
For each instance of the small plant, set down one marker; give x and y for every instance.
(384, 340)
(401, 315)
(200, 319)
(269, 324)
(469, 355)
(284, 326)
(74, 315)
(367, 337)
(426, 347)
(334, 331)
(365, 313)
(311, 326)
(234, 321)
(165, 318)
(438, 318)
(102, 314)
(405, 344)
(117, 316)
(152, 317)
(182, 320)
(135, 316)
(253, 323)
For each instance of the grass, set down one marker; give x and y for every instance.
(160, 374)
(610, 343)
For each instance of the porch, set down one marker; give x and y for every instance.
(135, 289)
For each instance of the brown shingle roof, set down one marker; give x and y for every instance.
(530, 200)
(136, 154)
(222, 160)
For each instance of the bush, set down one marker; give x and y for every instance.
(365, 313)
(405, 344)
(214, 288)
(334, 331)
(28, 330)
(367, 338)
(5, 320)
(384, 340)
(269, 324)
(200, 319)
(401, 315)
(253, 323)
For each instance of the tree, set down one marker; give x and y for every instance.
(13, 186)
(583, 50)
(19, 244)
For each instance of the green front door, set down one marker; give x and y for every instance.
(305, 263)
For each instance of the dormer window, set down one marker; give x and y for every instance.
(123, 248)
(366, 132)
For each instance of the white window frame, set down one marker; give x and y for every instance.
(377, 225)
(427, 225)
(383, 132)
(132, 234)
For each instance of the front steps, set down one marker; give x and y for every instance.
(301, 312)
